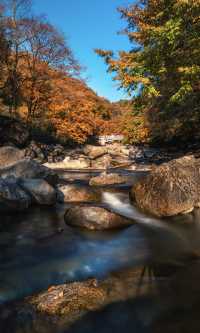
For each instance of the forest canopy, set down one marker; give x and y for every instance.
(163, 67)
(40, 78)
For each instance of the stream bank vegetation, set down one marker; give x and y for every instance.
(41, 80)
(163, 67)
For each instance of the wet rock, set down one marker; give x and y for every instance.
(70, 299)
(170, 189)
(94, 151)
(29, 169)
(95, 218)
(73, 300)
(103, 162)
(107, 179)
(13, 131)
(10, 155)
(73, 193)
(12, 196)
(39, 190)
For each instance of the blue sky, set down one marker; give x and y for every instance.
(90, 24)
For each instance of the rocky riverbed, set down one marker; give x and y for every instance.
(81, 251)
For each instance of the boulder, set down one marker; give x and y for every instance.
(10, 155)
(29, 169)
(74, 193)
(12, 196)
(107, 179)
(94, 151)
(39, 190)
(170, 189)
(103, 162)
(13, 131)
(95, 218)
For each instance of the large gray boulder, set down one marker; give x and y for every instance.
(95, 218)
(74, 193)
(10, 155)
(29, 169)
(94, 151)
(39, 190)
(12, 196)
(170, 189)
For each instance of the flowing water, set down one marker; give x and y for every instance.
(37, 250)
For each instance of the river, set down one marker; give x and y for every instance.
(37, 250)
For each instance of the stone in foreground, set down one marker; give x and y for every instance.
(95, 218)
(170, 189)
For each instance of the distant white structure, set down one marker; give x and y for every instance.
(103, 139)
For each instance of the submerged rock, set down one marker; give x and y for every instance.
(107, 179)
(10, 155)
(73, 193)
(94, 151)
(40, 191)
(170, 189)
(95, 218)
(29, 169)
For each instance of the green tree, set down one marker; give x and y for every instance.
(163, 64)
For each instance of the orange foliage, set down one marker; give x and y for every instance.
(76, 112)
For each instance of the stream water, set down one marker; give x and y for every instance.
(35, 254)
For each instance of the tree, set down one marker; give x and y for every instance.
(13, 25)
(163, 64)
(38, 53)
(46, 56)
(4, 51)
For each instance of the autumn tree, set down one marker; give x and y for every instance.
(163, 65)
(46, 56)
(42, 79)
(38, 52)
(4, 52)
(13, 24)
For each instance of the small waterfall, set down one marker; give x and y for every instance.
(128, 210)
